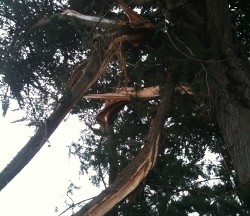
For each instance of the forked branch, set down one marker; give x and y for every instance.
(83, 77)
(139, 168)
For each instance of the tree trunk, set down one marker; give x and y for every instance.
(112, 157)
(208, 22)
(132, 176)
(230, 84)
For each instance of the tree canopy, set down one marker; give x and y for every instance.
(101, 60)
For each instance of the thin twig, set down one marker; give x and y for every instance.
(230, 191)
(75, 204)
(188, 56)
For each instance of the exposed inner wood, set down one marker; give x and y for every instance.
(87, 73)
(139, 168)
(115, 102)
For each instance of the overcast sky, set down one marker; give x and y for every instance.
(41, 186)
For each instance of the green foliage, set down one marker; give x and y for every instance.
(183, 180)
(36, 61)
(36, 64)
(240, 12)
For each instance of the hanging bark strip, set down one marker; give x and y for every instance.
(87, 75)
(140, 95)
(139, 168)
(115, 102)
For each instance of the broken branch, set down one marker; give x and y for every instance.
(139, 168)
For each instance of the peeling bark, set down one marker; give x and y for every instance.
(83, 77)
(139, 168)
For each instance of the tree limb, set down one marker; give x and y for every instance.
(103, 51)
(91, 21)
(139, 168)
(89, 76)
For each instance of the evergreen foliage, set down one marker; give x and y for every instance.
(35, 66)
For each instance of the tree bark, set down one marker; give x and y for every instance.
(228, 72)
(83, 77)
(230, 89)
(131, 177)
(89, 76)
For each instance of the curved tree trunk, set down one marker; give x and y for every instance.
(134, 174)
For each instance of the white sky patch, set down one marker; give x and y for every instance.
(41, 186)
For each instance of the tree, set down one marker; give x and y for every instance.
(190, 42)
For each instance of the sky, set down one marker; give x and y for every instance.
(41, 186)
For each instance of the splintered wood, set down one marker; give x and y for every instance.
(137, 171)
(115, 102)
(142, 170)
(128, 93)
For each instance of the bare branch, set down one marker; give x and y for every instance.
(139, 168)
(91, 21)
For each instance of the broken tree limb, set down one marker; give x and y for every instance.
(144, 94)
(148, 93)
(95, 21)
(115, 102)
(91, 21)
(87, 74)
(72, 96)
(139, 168)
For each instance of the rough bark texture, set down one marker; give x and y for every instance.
(139, 168)
(231, 89)
(208, 21)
